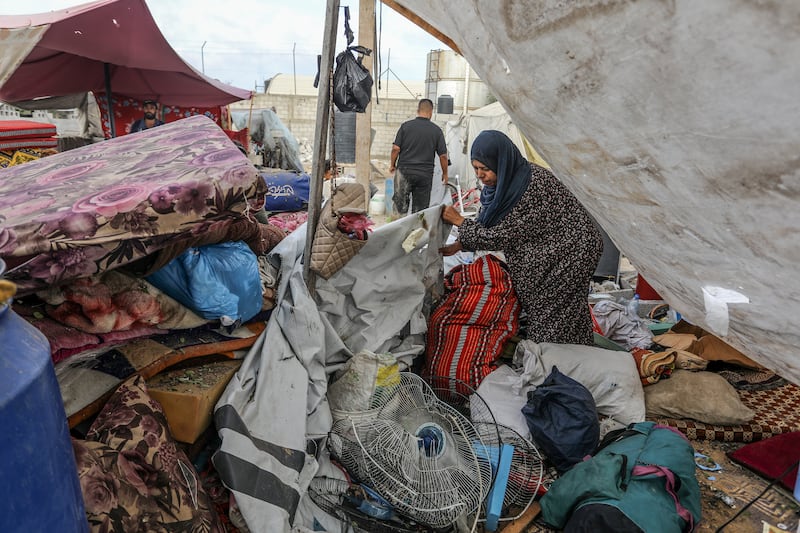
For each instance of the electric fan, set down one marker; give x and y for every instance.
(525, 472)
(420, 454)
(525, 476)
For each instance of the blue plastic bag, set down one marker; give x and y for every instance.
(217, 281)
(286, 191)
(562, 417)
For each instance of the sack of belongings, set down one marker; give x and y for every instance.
(469, 327)
(641, 479)
(562, 417)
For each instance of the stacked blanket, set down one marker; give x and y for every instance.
(97, 208)
(17, 134)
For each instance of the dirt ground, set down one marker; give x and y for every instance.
(733, 487)
(726, 491)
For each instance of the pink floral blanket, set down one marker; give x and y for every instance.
(98, 207)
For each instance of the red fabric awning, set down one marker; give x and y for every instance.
(71, 55)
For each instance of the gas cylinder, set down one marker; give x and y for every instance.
(40, 489)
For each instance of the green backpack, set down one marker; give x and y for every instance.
(646, 471)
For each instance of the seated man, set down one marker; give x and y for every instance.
(149, 120)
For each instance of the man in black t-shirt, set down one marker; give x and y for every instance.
(415, 146)
(149, 120)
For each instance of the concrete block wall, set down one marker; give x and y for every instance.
(299, 114)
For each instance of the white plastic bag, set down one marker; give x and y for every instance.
(364, 375)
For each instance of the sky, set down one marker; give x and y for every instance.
(250, 41)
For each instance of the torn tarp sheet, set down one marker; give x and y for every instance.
(276, 402)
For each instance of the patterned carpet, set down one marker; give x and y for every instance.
(777, 411)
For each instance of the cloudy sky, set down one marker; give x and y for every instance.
(248, 41)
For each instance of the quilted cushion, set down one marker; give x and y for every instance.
(332, 249)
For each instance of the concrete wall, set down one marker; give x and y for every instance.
(299, 114)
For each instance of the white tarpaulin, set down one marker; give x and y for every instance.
(277, 401)
(676, 125)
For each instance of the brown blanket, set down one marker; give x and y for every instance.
(260, 238)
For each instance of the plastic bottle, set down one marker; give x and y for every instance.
(387, 196)
(633, 307)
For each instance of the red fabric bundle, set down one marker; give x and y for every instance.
(16, 134)
(128, 110)
(241, 136)
(355, 225)
(467, 331)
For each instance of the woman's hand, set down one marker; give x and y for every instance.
(450, 249)
(452, 216)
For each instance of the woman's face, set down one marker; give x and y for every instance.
(487, 176)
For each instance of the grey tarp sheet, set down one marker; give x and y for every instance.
(277, 400)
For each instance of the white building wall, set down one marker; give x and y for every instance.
(299, 114)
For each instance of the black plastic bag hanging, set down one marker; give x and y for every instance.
(352, 82)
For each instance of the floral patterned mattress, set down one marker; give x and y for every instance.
(105, 205)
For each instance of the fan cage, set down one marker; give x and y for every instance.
(526, 473)
(383, 450)
(525, 477)
(329, 494)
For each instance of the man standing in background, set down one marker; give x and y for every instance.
(415, 146)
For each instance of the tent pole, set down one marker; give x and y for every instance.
(107, 76)
(366, 37)
(320, 137)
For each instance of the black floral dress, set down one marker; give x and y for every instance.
(552, 248)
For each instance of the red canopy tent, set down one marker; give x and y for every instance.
(103, 46)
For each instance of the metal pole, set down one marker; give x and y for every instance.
(466, 87)
(203, 57)
(294, 68)
(388, 66)
(109, 100)
(320, 137)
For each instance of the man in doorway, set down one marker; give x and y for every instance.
(149, 120)
(415, 146)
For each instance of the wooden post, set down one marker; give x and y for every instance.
(366, 38)
(320, 137)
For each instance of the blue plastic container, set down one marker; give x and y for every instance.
(388, 187)
(40, 489)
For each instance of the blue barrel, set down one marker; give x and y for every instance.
(40, 489)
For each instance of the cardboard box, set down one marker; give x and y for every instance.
(188, 396)
(712, 348)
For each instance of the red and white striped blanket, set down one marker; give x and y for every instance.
(467, 331)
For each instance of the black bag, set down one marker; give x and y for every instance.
(352, 83)
(562, 417)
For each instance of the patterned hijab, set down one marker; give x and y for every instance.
(495, 150)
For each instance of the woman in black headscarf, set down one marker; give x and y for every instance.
(548, 238)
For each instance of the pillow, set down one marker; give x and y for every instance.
(610, 375)
(704, 396)
(133, 476)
